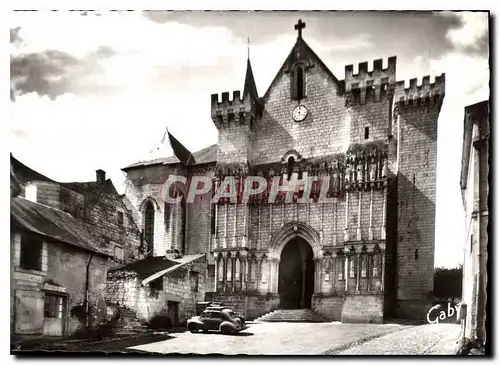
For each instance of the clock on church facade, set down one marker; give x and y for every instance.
(299, 113)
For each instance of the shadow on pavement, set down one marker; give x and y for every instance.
(122, 345)
(239, 334)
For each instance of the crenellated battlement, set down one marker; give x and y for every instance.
(375, 83)
(423, 91)
(235, 110)
(364, 78)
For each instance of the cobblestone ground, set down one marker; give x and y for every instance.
(430, 339)
(271, 339)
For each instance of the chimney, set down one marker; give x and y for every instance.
(100, 175)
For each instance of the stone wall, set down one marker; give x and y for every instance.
(363, 309)
(251, 305)
(102, 209)
(146, 184)
(178, 286)
(199, 220)
(328, 305)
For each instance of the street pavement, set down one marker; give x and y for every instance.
(314, 339)
(270, 339)
(429, 339)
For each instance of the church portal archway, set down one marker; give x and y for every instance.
(296, 274)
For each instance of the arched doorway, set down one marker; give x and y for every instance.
(296, 275)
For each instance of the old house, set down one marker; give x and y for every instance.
(475, 196)
(64, 238)
(168, 285)
(365, 255)
(56, 265)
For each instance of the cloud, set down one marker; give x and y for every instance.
(360, 41)
(50, 72)
(473, 32)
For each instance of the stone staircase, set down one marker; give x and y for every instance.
(128, 323)
(292, 315)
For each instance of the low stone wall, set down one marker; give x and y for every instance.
(258, 305)
(414, 310)
(329, 306)
(251, 306)
(363, 309)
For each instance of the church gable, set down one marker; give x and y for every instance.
(298, 63)
(304, 109)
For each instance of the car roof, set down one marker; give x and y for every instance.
(211, 311)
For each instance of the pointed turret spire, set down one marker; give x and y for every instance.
(181, 152)
(250, 86)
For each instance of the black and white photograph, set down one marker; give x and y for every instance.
(263, 182)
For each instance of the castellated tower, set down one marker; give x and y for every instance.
(405, 121)
(416, 112)
(369, 97)
(234, 120)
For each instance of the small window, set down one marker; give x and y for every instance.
(216, 315)
(31, 254)
(149, 227)
(156, 284)
(53, 306)
(194, 281)
(416, 254)
(367, 132)
(212, 219)
(119, 256)
(167, 214)
(291, 163)
(298, 84)
(120, 218)
(30, 192)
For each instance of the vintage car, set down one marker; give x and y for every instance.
(225, 321)
(219, 307)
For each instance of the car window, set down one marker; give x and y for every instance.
(216, 315)
(205, 315)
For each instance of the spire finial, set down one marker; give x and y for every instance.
(299, 26)
(248, 47)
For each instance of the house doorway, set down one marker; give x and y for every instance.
(53, 313)
(173, 312)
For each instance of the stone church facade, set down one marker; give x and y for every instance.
(367, 253)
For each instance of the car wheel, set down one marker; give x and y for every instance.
(192, 328)
(226, 330)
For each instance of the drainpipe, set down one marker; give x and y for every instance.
(184, 209)
(87, 284)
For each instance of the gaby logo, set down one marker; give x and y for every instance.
(242, 190)
(435, 315)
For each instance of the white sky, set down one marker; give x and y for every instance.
(115, 105)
